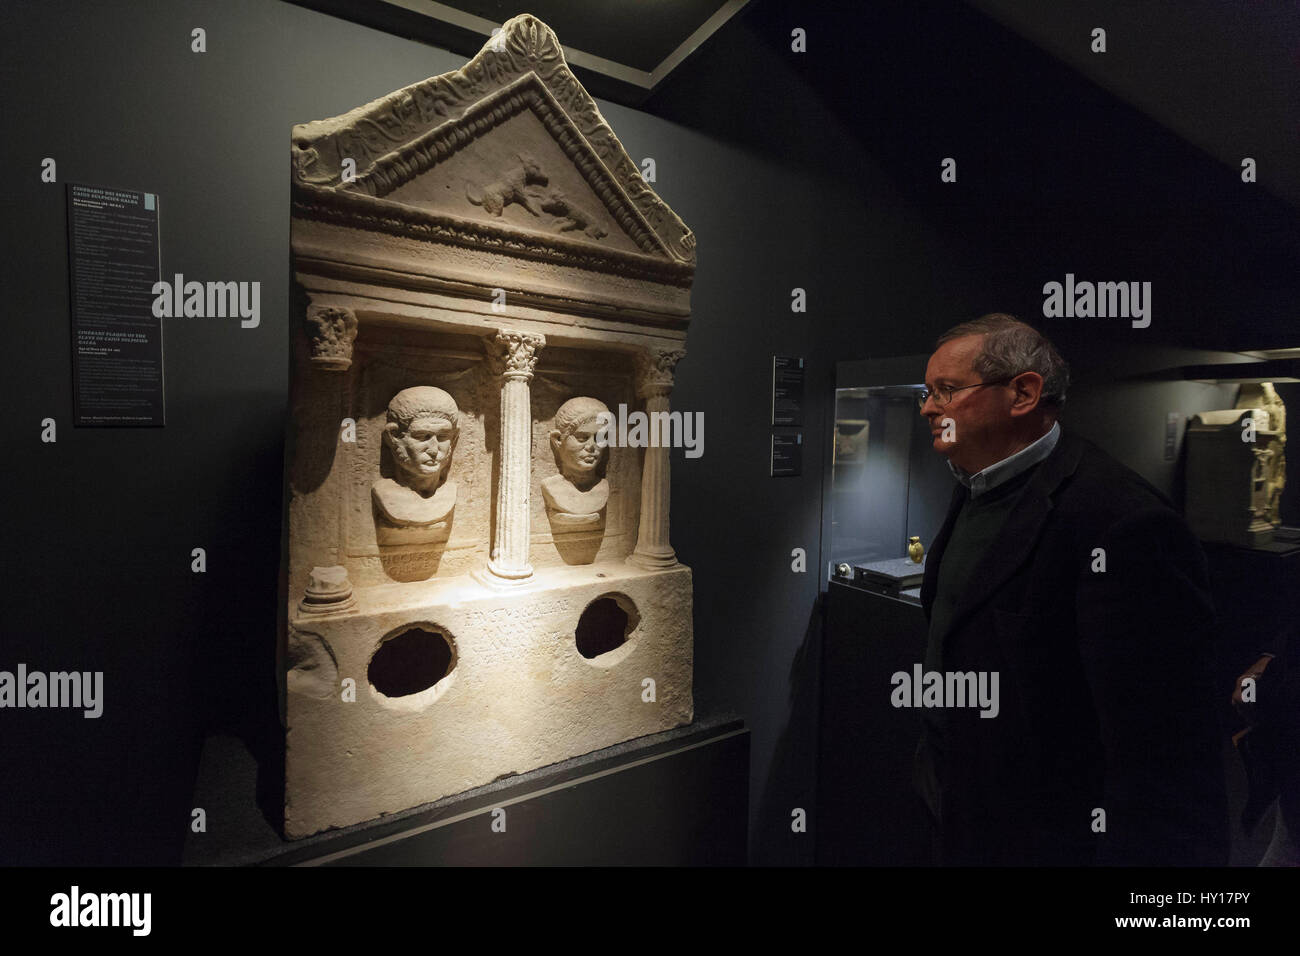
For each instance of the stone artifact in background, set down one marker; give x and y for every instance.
(1264, 396)
(1236, 469)
(473, 589)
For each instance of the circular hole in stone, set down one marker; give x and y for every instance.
(410, 661)
(605, 625)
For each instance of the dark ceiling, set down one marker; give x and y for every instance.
(620, 49)
(636, 33)
(1130, 166)
(1223, 75)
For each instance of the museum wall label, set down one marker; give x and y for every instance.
(117, 343)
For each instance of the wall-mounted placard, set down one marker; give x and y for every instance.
(117, 356)
(787, 455)
(787, 390)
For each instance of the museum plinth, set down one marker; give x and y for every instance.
(676, 798)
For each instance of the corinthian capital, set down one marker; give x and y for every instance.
(654, 370)
(331, 330)
(513, 353)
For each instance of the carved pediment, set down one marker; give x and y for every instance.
(508, 151)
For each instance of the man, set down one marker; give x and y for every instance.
(1270, 742)
(1075, 581)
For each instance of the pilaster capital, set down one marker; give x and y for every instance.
(654, 370)
(331, 330)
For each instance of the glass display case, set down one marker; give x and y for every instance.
(889, 489)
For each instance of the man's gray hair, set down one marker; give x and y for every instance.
(1011, 347)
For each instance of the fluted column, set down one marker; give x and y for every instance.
(654, 385)
(514, 356)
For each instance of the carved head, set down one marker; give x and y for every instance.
(1264, 395)
(533, 174)
(573, 440)
(421, 432)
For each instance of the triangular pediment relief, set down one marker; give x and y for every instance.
(517, 160)
(511, 145)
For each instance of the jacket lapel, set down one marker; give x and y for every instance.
(930, 581)
(1016, 541)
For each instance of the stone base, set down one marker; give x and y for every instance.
(651, 561)
(1256, 536)
(518, 691)
(1241, 533)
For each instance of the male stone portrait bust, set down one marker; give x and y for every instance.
(576, 497)
(415, 505)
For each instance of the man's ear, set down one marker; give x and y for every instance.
(1028, 393)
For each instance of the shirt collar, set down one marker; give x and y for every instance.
(1008, 467)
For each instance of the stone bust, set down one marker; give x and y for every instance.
(415, 505)
(576, 497)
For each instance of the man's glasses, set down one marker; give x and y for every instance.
(943, 394)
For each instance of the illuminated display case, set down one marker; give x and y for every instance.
(887, 483)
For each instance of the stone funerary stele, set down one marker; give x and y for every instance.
(480, 270)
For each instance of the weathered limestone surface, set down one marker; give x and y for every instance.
(519, 696)
(478, 268)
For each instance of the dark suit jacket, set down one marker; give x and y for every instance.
(1106, 700)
